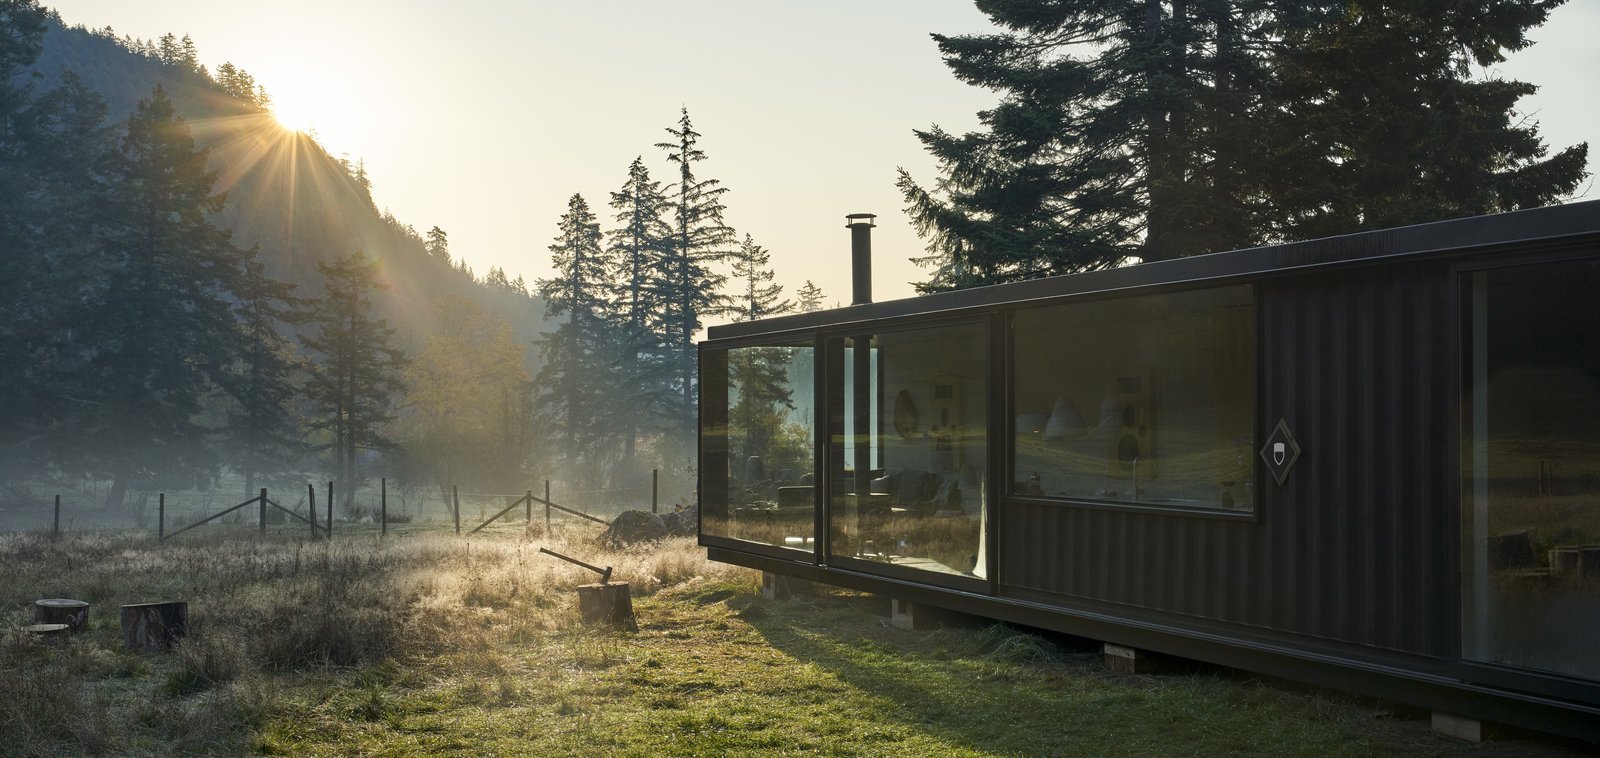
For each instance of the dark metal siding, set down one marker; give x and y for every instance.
(1359, 545)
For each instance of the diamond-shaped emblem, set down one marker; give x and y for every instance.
(1280, 452)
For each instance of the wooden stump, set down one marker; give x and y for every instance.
(60, 610)
(154, 626)
(53, 633)
(607, 604)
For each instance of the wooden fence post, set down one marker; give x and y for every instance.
(383, 506)
(161, 517)
(263, 527)
(55, 531)
(330, 511)
(311, 509)
(455, 497)
(529, 504)
(655, 488)
(547, 509)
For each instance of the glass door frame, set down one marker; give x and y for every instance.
(831, 403)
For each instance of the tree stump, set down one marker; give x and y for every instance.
(154, 626)
(60, 610)
(53, 633)
(607, 604)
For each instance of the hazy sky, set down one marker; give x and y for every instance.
(484, 117)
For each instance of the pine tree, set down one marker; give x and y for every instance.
(356, 380)
(1393, 128)
(688, 287)
(438, 244)
(759, 376)
(262, 427)
(579, 364)
(810, 297)
(638, 245)
(53, 150)
(1166, 128)
(759, 297)
(157, 336)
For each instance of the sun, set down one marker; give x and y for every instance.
(292, 115)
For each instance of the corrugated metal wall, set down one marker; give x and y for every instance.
(1359, 544)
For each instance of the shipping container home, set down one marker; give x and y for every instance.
(1370, 462)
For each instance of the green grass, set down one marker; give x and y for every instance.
(430, 644)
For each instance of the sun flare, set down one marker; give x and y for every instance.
(292, 116)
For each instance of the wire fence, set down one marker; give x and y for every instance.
(83, 507)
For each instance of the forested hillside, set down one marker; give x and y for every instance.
(285, 192)
(194, 297)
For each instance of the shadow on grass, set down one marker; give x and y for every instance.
(1012, 690)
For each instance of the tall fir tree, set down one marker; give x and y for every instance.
(160, 334)
(689, 289)
(357, 378)
(759, 296)
(54, 151)
(759, 376)
(638, 246)
(263, 430)
(579, 356)
(1395, 129)
(1166, 128)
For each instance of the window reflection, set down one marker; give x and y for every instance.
(1532, 499)
(1140, 400)
(912, 416)
(761, 437)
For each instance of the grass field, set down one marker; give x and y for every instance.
(426, 643)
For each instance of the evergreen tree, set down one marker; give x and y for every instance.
(1393, 128)
(158, 333)
(638, 245)
(573, 383)
(357, 379)
(810, 297)
(53, 150)
(438, 244)
(688, 288)
(1167, 128)
(262, 428)
(760, 296)
(759, 376)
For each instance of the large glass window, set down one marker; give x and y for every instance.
(1532, 496)
(910, 456)
(1147, 400)
(758, 439)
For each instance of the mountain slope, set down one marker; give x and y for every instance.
(285, 192)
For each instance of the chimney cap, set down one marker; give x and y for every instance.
(854, 219)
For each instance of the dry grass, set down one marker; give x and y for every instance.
(424, 644)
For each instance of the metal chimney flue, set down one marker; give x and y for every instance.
(860, 225)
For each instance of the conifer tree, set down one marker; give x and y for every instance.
(1166, 128)
(689, 289)
(579, 354)
(160, 331)
(810, 297)
(53, 151)
(262, 427)
(357, 377)
(638, 245)
(438, 244)
(758, 375)
(759, 296)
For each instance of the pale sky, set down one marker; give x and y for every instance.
(484, 117)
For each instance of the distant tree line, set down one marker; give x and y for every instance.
(1164, 128)
(621, 368)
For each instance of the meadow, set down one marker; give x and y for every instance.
(426, 643)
